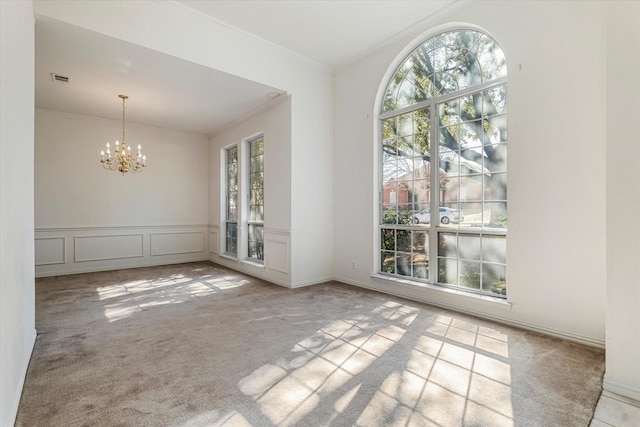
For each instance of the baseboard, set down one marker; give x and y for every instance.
(80, 269)
(622, 388)
(245, 268)
(566, 335)
(23, 377)
(311, 282)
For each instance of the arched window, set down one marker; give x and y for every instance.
(444, 221)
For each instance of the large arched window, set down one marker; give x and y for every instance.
(444, 221)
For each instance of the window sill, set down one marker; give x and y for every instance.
(441, 295)
(228, 256)
(253, 263)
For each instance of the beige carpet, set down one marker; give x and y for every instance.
(200, 345)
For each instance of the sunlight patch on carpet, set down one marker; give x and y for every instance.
(128, 298)
(453, 373)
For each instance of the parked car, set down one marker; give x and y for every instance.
(447, 215)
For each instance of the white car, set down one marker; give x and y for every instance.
(447, 215)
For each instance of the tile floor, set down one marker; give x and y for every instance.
(615, 410)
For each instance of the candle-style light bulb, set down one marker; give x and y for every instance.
(144, 159)
(108, 145)
(117, 143)
(102, 155)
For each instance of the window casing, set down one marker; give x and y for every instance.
(446, 225)
(231, 201)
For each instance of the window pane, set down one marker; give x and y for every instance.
(447, 245)
(496, 158)
(471, 189)
(470, 274)
(420, 266)
(231, 232)
(494, 278)
(388, 239)
(496, 187)
(490, 58)
(470, 107)
(494, 249)
(232, 238)
(469, 247)
(495, 130)
(469, 140)
(404, 212)
(256, 198)
(448, 271)
(420, 242)
(445, 64)
(472, 214)
(403, 240)
(389, 214)
(387, 262)
(256, 242)
(494, 100)
(495, 215)
(403, 264)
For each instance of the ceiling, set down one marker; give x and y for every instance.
(168, 92)
(332, 32)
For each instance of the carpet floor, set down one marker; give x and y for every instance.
(201, 345)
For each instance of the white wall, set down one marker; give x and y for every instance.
(312, 184)
(623, 200)
(556, 244)
(176, 30)
(17, 317)
(80, 207)
(275, 124)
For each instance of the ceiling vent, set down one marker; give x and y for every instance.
(59, 78)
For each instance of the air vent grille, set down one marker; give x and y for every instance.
(59, 78)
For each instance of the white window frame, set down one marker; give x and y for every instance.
(243, 201)
(248, 222)
(435, 228)
(225, 198)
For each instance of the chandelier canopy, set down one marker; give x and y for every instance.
(122, 160)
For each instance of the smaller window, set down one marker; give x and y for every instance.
(255, 220)
(231, 220)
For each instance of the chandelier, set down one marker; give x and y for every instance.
(122, 160)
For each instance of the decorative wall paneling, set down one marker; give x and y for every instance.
(277, 256)
(61, 251)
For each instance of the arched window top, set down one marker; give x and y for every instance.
(446, 63)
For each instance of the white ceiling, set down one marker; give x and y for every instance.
(168, 92)
(332, 32)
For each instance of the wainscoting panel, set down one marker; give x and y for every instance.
(177, 243)
(214, 242)
(61, 251)
(50, 250)
(276, 249)
(108, 247)
(277, 255)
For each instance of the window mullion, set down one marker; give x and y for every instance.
(434, 186)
